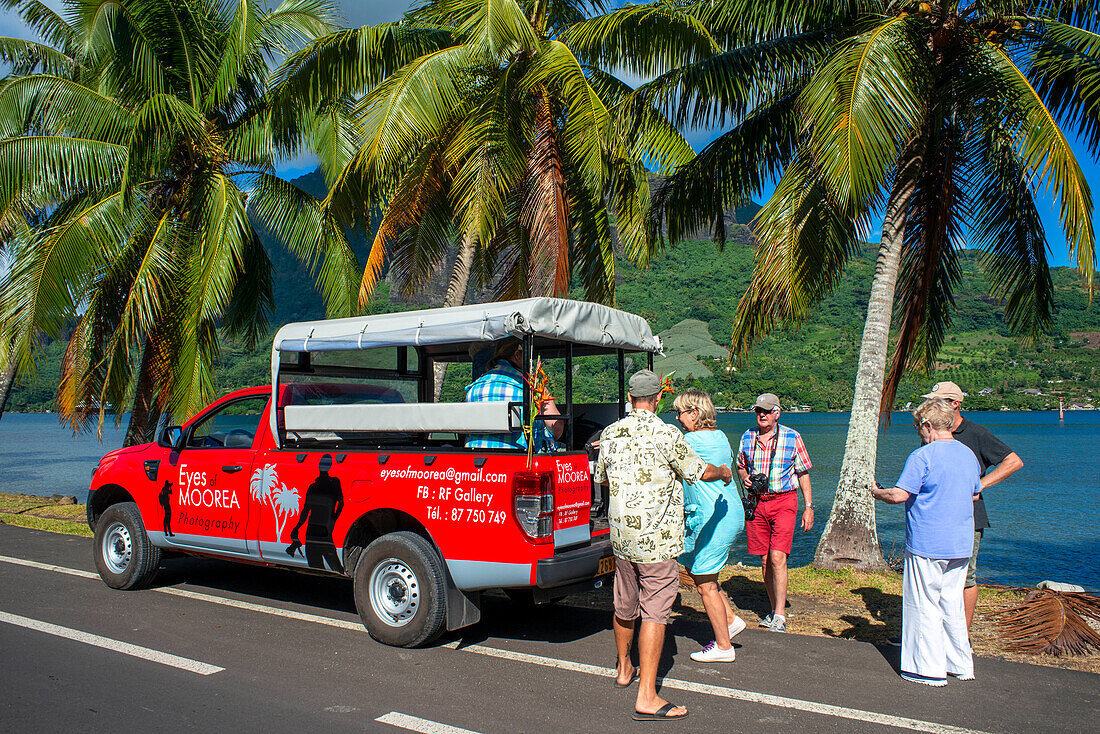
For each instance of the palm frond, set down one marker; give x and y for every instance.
(587, 127)
(44, 20)
(929, 271)
(643, 39)
(414, 233)
(1048, 156)
(594, 262)
(1005, 224)
(26, 57)
(1065, 70)
(499, 29)
(862, 106)
(725, 87)
(804, 238)
(1050, 623)
(727, 173)
(348, 62)
(741, 22)
(641, 128)
(52, 105)
(311, 233)
(44, 170)
(545, 213)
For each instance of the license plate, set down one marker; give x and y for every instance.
(607, 565)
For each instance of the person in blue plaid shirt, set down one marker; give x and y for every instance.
(504, 381)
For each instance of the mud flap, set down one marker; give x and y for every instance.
(463, 607)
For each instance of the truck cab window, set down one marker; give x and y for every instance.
(232, 426)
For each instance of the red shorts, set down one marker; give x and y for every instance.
(773, 526)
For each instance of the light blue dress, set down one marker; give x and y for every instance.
(713, 514)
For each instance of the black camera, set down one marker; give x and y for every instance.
(758, 484)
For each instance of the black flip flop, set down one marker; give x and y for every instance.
(633, 678)
(660, 715)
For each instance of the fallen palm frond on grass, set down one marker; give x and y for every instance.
(1050, 622)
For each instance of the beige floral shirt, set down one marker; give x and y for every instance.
(644, 460)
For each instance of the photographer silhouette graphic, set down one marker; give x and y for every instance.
(323, 503)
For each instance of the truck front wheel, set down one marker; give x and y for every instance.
(399, 590)
(124, 555)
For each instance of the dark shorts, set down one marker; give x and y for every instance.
(646, 590)
(972, 569)
(773, 526)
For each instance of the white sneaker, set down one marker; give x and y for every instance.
(767, 621)
(713, 654)
(737, 626)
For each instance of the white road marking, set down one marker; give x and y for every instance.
(900, 722)
(289, 614)
(49, 567)
(301, 616)
(824, 709)
(107, 643)
(424, 726)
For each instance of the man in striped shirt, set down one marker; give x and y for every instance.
(778, 453)
(504, 382)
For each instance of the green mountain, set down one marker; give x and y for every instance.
(689, 295)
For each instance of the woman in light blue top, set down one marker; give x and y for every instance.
(714, 517)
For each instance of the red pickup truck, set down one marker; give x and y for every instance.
(346, 465)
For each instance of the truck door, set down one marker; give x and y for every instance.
(209, 499)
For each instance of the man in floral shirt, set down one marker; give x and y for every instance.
(645, 461)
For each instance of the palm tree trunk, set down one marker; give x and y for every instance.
(7, 382)
(146, 411)
(850, 538)
(456, 293)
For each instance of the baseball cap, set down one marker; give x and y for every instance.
(767, 401)
(644, 384)
(946, 391)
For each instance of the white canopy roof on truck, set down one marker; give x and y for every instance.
(579, 322)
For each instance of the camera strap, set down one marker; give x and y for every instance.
(775, 451)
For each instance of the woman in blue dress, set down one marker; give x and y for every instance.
(714, 518)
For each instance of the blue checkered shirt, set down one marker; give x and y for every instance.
(503, 382)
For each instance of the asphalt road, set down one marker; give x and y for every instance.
(227, 647)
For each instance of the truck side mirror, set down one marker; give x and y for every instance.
(170, 437)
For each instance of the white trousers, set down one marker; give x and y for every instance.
(934, 639)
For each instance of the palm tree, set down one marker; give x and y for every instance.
(146, 162)
(943, 116)
(500, 124)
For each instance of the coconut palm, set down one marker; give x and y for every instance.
(500, 124)
(942, 117)
(144, 145)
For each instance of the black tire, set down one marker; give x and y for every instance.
(400, 590)
(124, 555)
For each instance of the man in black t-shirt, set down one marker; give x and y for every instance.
(991, 451)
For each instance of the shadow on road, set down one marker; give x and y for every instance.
(321, 591)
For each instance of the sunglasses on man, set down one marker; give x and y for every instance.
(762, 411)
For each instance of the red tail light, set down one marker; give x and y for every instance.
(533, 505)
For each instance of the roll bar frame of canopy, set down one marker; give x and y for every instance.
(556, 327)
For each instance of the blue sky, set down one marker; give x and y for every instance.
(366, 12)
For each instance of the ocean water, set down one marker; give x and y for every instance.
(1044, 517)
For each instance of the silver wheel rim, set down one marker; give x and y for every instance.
(118, 548)
(394, 592)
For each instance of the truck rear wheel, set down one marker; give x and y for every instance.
(124, 555)
(399, 590)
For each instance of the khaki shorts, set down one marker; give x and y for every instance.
(972, 569)
(646, 589)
